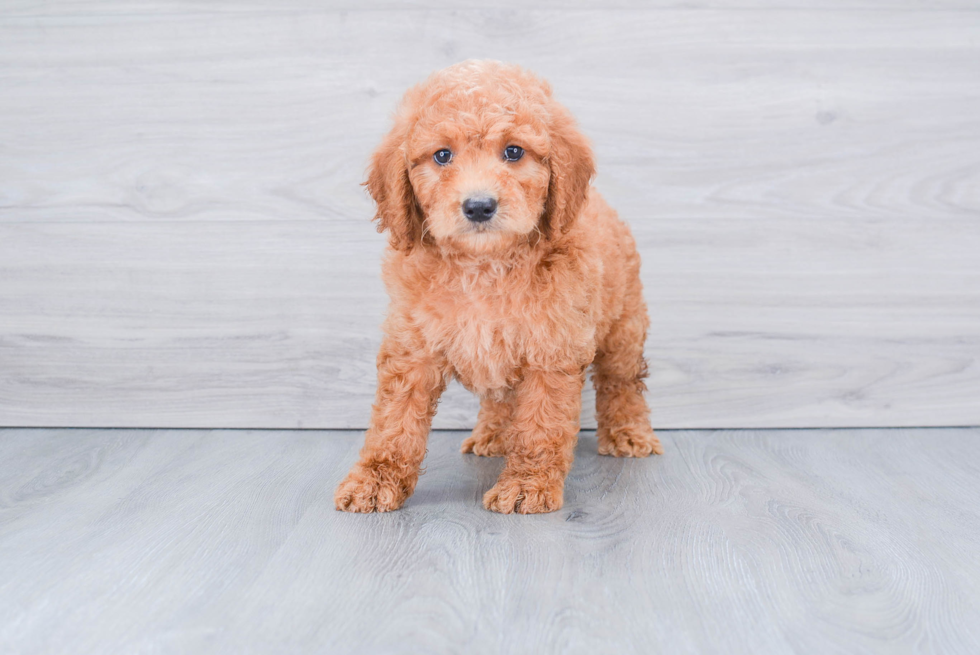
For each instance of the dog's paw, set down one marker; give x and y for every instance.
(484, 443)
(630, 441)
(524, 496)
(366, 489)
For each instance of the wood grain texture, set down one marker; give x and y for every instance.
(74, 8)
(787, 115)
(184, 241)
(804, 541)
(218, 322)
(50, 8)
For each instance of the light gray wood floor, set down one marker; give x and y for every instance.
(817, 541)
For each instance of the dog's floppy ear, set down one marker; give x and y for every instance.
(572, 167)
(388, 184)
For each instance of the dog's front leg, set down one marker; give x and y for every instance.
(540, 443)
(409, 385)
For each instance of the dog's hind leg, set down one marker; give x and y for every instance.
(487, 437)
(618, 371)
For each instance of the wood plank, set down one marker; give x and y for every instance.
(275, 324)
(100, 8)
(789, 114)
(744, 542)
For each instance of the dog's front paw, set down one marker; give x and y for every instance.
(629, 442)
(370, 489)
(484, 442)
(524, 495)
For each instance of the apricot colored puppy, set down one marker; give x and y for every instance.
(508, 272)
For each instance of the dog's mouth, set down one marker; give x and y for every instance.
(485, 227)
(483, 238)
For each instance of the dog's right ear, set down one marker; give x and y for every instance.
(398, 210)
(572, 167)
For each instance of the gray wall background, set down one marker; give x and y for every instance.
(184, 241)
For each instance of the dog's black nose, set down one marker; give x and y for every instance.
(479, 209)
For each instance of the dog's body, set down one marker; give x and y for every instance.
(509, 273)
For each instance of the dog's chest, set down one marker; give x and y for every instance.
(489, 331)
(483, 343)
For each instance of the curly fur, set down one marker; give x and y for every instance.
(516, 308)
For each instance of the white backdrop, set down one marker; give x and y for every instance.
(184, 241)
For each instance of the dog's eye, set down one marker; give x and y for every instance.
(443, 156)
(513, 153)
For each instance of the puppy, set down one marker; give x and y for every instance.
(508, 272)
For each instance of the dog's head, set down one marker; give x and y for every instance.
(480, 157)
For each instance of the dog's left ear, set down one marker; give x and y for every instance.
(398, 210)
(572, 167)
